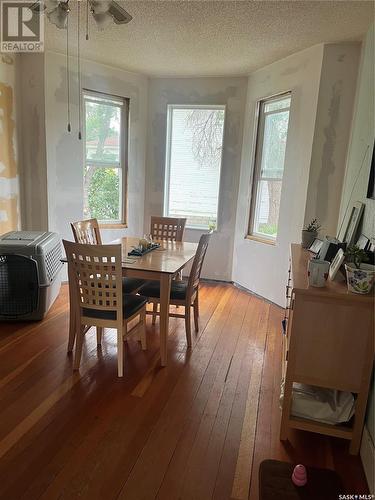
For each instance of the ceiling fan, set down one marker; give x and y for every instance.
(57, 12)
(103, 11)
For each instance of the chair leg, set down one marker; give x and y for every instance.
(99, 334)
(142, 326)
(78, 352)
(196, 313)
(72, 327)
(154, 310)
(120, 352)
(188, 325)
(125, 331)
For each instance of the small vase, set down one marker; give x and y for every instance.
(360, 280)
(308, 237)
(299, 476)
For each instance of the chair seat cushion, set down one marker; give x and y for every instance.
(131, 304)
(130, 285)
(152, 289)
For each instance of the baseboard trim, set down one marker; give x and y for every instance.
(237, 285)
(211, 280)
(367, 453)
(240, 287)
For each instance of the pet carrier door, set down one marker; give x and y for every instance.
(19, 286)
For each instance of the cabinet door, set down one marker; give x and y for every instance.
(330, 342)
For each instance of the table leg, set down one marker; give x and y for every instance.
(165, 290)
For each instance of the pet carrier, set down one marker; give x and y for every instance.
(30, 263)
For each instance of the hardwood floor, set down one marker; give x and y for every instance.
(197, 429)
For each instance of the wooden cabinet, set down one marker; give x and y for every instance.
(328, 342)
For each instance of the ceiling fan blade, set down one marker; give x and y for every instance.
(120, 16)
(59, 15)
(99, 6)
(37, 7)
(46, 5)
(103, 19)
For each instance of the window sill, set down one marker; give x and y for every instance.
(118, 225)
(201, 229)
(259, 239)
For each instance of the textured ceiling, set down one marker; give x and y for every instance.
(197, 38)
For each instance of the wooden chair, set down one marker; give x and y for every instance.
(167, 228)
(183, 293)
(95, 275)
(88, 232)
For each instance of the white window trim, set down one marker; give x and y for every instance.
(256, 163)
(168, 149)
(122, 165)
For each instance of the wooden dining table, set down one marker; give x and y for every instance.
(161, 264)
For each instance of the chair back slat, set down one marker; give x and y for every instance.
(96, 273)
(167, 228)
(196, 268)
(87, 232)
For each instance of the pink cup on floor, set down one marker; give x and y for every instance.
(299, 476)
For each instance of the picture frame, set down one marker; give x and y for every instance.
(336, 264)
(363, 242)
(315, 246)
(353, 222)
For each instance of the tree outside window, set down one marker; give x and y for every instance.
(105, 135)
(193, 164)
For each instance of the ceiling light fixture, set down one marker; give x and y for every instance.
(104, 13)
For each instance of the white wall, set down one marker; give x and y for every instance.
(332, 132)
(33, 162)
(9, 168)
(355, 189)
(65, 151)
(232, 93)
(361, 142)
(258, 266)
(322, 80)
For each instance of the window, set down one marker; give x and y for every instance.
(104, 175)
(193, 164)
(271, 141)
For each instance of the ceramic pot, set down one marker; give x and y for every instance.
(308, 237)
(360, 280)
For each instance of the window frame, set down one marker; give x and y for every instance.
(168, 150)
(258, 140)
(124, 104)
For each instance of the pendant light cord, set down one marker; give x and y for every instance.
(79, 73)
(68, 71)
(87, 19)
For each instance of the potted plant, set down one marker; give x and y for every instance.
(360, 276)
(310, 232)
